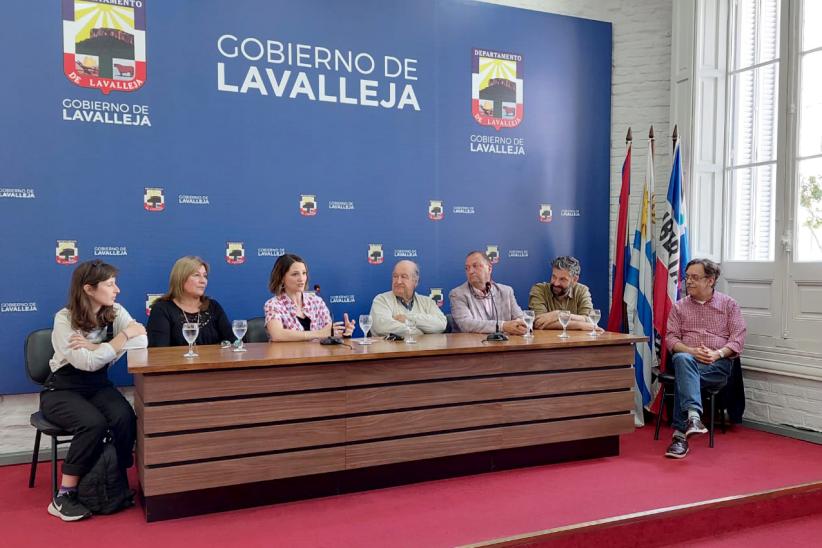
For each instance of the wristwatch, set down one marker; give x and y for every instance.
(721, 354)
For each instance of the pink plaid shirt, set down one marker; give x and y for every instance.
(717, 323)
(283, 309)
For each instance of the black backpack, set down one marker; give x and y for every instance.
(104, 489)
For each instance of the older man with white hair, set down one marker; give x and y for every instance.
(389, 310)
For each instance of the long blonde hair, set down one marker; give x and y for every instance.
(182, 269)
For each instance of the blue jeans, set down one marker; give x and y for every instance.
(691, 375)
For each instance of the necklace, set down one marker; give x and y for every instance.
(190, 320)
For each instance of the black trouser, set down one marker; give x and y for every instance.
(87, 405)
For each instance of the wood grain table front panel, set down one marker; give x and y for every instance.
(241, 412)
(203, 475)
(232, 419)
(242, 441)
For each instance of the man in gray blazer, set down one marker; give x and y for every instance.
(472, 307)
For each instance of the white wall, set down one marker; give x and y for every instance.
(640, 97)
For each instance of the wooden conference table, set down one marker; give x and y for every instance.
(294, 420)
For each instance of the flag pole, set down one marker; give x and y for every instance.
(628, 140)
(616, 312)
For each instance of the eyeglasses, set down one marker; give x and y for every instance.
(693, 278)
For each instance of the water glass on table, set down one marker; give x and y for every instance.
(190, 332)
(593, 317)
(529, 316)
(239, 327)
(411, 326)
(564, 320)
(366, 321)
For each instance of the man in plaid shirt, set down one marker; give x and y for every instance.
(705, 332)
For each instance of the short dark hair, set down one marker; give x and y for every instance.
(482, 253)
(567, 263)
(284, 262)
(711, 268)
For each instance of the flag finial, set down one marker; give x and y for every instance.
(651, 133)
(629, 137)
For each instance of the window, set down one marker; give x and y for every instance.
(754, 88)
(809, 150)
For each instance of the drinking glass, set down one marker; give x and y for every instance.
(190, 332)
(594, 316)
(366, 321)
(411, 326)
(564, 320)
(529, 316)
(239, 327)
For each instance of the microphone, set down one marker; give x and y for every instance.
(331, 339)
(497, 335)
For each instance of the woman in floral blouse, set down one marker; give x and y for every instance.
(294, 314)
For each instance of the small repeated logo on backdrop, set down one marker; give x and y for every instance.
(492, 252)
(436, 211)
(337, 204)
(375, 255)
(335, 299)
(405, 253)
(193, 199)
(496, 88)
(569, 213)
(308, 205)
(110, 250)
(436, 296)
(25, 193)
(18, 307)
(104, 45)
(67, 252)
(518, 253)
(234, 253)
(464, 210)
(546, 215)
(151, 298)
(270, 251)
(154, 199)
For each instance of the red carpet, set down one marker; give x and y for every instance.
(449, 512)
(795, 532)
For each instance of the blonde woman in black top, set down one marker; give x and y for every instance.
(186, 302)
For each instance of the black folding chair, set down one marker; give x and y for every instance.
(38, 351)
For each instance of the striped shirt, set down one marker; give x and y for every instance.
(717, 323)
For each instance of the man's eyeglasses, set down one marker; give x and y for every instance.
(692, 278)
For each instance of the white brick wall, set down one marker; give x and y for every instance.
(16, 435)
(776, 399)
(640, 85)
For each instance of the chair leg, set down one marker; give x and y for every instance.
(659, 414)
(713, 420)
(722, 420)
(35, 457)
(54, 465)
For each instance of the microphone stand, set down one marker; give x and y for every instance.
(497, 335)
(331, 339)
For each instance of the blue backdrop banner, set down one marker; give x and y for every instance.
(351, 133)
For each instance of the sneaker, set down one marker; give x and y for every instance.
(678, 448)
(695, 426)
(68, 508)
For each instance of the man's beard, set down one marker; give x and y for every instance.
(562, 291)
